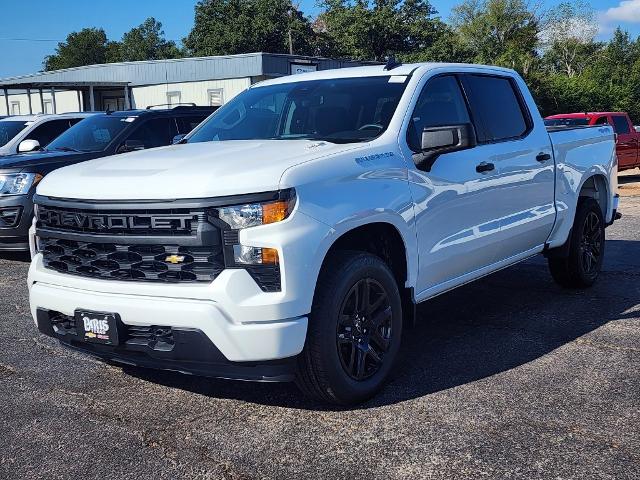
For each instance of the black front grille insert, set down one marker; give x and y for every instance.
(123, 261)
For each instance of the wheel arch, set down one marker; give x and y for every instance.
(385, 240)
(596, 186)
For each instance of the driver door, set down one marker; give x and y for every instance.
(456, 223)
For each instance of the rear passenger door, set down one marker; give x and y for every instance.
(519, 148)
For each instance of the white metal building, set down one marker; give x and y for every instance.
(120, 86)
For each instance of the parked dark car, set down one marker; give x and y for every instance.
(97, 136)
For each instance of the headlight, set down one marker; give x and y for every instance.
(254, 214)
(18, 183)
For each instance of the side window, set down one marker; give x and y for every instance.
(48, 131)
(620, 124)
(602, 121)
(155, 133)
(440, 104)
(186, 124)
(496, 107)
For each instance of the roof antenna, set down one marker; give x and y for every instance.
(391, 63)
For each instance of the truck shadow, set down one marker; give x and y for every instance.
(491, 326)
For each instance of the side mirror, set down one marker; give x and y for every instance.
(178, 138)
(29, 146)
(131, 146)
(439, 140)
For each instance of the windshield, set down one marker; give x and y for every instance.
(92, 134)
(568, 122)
(337, 110)
(9, 129)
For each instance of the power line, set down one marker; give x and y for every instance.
(6, 39)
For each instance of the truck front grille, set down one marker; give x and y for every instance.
(130, 242)
(124, 261)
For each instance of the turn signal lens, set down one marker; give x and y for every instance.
(275, 211)
(269, 256)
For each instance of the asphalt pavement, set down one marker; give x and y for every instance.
(508, 377)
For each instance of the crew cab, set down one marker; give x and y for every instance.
(628, 139)
(292, 234)
(98, 135)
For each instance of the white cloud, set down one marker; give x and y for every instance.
(627, 11)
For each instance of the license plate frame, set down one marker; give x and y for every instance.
(98, 327)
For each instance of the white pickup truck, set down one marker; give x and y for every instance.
(290, 236)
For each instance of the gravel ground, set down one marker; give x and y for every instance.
(509, 377)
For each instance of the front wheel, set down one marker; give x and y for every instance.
(581, 267)
(355, 329)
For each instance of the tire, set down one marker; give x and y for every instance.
(350, 350)
(581, 267)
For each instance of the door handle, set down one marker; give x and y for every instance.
(543, 157)
(485, 167)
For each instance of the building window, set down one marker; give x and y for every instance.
(173, 98)
(216, 97)
(15, 108)
(48, 106)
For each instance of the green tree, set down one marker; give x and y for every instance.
(243, 26)
(89, 46)
(372, 30)
(568, 37)
(499, 32)
(147, 42)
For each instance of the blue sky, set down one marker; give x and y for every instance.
(49, 22)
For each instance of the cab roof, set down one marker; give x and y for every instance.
(378, 71)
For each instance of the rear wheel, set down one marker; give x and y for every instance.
(581, 267)
(355, 329)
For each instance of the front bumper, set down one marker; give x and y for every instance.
(236, 341)
(185, 350)
(15, 237)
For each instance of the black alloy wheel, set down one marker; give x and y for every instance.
(591, 243)
(364, 329)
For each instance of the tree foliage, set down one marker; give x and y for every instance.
(242, 26)
(86, 47)
(147, 42)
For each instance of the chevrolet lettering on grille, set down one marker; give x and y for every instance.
(53, 218)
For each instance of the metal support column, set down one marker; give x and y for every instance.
(6, 100)
(53, 98)
(41, 100)
(92, 101)
(127, 105)
(80, 106)
(30, 105)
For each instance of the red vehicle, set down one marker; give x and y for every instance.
(628, 140)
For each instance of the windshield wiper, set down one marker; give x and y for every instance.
(67, 149)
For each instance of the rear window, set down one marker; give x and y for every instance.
(566, 122)
(496, 108)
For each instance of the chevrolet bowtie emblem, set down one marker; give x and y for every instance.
(175, 259)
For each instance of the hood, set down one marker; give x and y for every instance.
(196, 170)
(24, 160)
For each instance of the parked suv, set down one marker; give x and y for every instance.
(293, 233)
(29, 133)
(98, 135)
